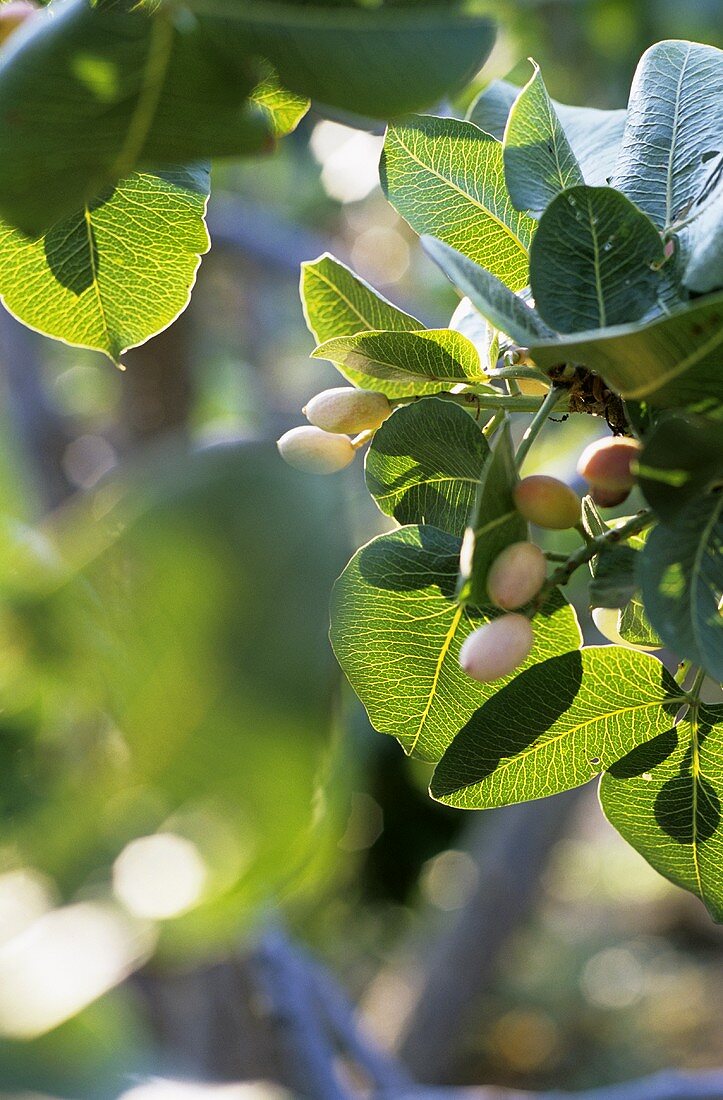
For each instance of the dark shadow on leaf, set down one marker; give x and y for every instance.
(72, 253)
(673, 809)
(392, 564)
(510, 722)
(71, 249)
(645, 757)
(689, 812)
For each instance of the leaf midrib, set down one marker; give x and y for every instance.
(444, 650)
(514, 760)
(465, 195)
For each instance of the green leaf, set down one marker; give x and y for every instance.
(675, 121)
(682, 459)
(592, 262)
(703, 239)
(379, 61)
(285, 109)
(665, 800)
(424, 463)
(339, 303)
(614, 580)
(505, 310)
(539, 162)
(438, 355)
(634, 626)
(672, 361)
(118, 272)
(556, 726)
(681, 571)
(396, 629)
(122, 85)
(494, 522)
(446, 179)
(594, 135)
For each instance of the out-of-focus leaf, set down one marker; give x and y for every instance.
(682, 458)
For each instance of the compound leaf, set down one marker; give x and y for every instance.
(337, 302)
(396, 629)
(594, 135)
(494, 522)
(671, 361)
(675, 121)
(495, 301)
(555, 726)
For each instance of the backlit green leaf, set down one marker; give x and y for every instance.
(397, 629)
(555, 726)
(681, 571)
(665, 799)
(337, 302)
(284, 108)
(424, 463)
(594, 261)
(446, 179)
(116, 273)
(438, 355)
(539, 161)
(505, 310)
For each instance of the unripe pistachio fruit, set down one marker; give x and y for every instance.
(606, 464)
(497, 648)
(516, 575)
(13, 14)
(347, 410)
(547, 502)
(315, 451)
(607, 620)
(607, 498)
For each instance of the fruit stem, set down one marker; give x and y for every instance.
(362, 439)
(520, 372)
(545, 407)
(496, 403)
(585, 553)
(693, 691)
